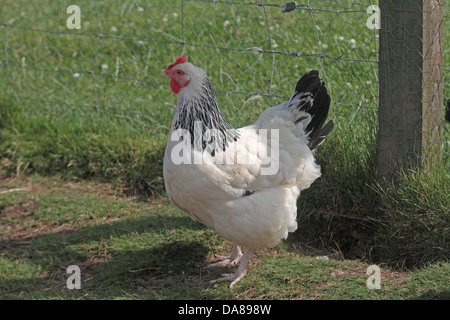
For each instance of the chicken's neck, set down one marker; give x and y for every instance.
(198, 114)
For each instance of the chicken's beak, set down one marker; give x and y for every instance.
(165, 73)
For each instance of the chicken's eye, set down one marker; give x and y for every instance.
(179, 72)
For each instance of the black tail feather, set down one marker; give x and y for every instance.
(447, 111)
(309, 82)
(313, 143)
(311, 85)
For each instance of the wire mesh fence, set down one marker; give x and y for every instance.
(106, 69)
(410, 85)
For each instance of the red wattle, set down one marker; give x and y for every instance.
(175, 86)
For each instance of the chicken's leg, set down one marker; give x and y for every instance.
(240, 272)
(224, 261)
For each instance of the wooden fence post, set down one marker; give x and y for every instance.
(410, 85)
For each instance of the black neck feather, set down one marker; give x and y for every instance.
(201, 117)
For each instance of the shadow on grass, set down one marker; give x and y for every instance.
(172, 270)
(434, 295)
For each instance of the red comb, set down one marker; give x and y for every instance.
(178, 60)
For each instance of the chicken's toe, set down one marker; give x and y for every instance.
(224, 261)
(240, 272)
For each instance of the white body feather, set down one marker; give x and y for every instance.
(213, 193)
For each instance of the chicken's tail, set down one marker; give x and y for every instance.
(310, 104)
(447, 111)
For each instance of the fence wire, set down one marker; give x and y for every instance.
(254, 52)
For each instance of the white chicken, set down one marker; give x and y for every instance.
(242, 183)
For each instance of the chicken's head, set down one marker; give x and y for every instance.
(182, 75)
(178, 77)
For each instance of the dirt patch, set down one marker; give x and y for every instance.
(22, 197)
(21, 210)
(12, 219)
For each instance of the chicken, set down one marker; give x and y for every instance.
(243, 183)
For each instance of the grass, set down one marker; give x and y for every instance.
(86, 108)
(130, 249)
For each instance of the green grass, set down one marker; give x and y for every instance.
(129, 249)
(89, 105)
